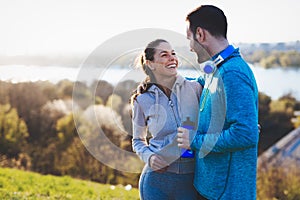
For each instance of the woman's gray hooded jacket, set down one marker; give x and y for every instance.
(157, 117)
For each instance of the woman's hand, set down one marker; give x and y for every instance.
(157, 163)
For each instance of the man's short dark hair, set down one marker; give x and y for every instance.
(210, 18)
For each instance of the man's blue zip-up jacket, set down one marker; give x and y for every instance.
(227, 137)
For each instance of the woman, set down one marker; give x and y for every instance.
(159, 108)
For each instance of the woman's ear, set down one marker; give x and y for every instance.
(149, 64)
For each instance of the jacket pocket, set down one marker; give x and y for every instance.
(214, 172)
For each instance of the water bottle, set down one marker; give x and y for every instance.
(188, 124)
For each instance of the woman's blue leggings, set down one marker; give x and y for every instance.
(166, 186)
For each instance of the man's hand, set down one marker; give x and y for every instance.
(157, 163)
(183, 138)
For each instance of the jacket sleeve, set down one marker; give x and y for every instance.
(201, 81)
(139, 140)
(199, 89)
(240, 130)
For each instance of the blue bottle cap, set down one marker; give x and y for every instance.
(208, 68)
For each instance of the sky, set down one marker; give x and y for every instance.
(79, 26)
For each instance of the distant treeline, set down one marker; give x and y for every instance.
(272, 54)
(274, 58)
(264, 54)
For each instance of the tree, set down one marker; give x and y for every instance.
(28, 98)
(264, 105)
(269, 61)
(296, 120)
(102, 89)
(13, 131)
(48, 89)
(82, 95)
(275, 119)
(114, 102)
(65, 89)
(66, 130)
(124, 89)
(4, 94)
(50, 113)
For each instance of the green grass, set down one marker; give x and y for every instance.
(17, 185)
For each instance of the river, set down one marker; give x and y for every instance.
(274, 82)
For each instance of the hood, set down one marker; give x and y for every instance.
(175, 89)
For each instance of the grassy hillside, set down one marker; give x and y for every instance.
(17, 185)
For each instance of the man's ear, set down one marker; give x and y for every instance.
(200, 35)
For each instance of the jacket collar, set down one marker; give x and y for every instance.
(178, 82)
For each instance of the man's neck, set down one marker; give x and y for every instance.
(217, 45)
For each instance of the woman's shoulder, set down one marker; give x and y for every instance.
(144, 97)
(193, 83)
(192, 86)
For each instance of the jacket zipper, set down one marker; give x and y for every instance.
(172, 107)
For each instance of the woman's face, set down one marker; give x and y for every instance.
(165, 62)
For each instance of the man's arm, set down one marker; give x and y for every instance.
(241, 118)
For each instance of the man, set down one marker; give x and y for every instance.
(227, 137)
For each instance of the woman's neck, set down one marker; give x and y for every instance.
(166, 84)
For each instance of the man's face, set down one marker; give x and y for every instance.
(190, 37)
(197, 47)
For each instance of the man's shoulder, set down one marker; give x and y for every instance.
(236, 63)
(236, 67)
